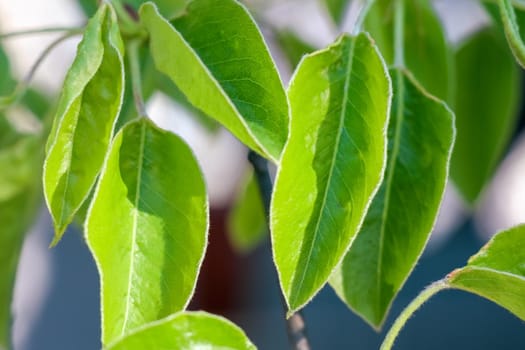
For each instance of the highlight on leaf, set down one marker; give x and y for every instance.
(332, 164)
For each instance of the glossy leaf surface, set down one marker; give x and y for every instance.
(87, 111)
(402, 214)
(247, 222)
(488, 95)
(147, 228)
(425, 48)
(187, 330)
(216, 55)
(497, 272)
(332, 163)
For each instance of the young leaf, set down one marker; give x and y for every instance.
(402, 214)
(487, 102)
(186, 330)
(332, 164)
(82, 130)
(247, 221)
(513, 23)
(337, 9)
(425, 48)
(218, 59)
(497, 272)
(146, 227)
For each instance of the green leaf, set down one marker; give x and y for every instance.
(497, 272)
(513, 23)
(82, 130)
(337, 9)
(332, 164)
(18, 166)
(7, 83)
(187, 330)
(217, 57)
(425, 48)
(247, 221)
(293, 47)
(488, 96)
(17, 213)
(402, 214)
(146, 227)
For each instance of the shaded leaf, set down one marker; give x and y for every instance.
(488, 94)
(514, 26)
(217, 57)
(146, 227)
(337, 9)
(293, 47)
(17, 213)
(425, 48)
(332, 164)
(187, 330)
(89, 105)
(246, 221)
(497, 272)
(18, 166)
(402, 214)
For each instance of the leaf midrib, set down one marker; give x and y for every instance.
(332, 163)
(134, 226)
(388, 182)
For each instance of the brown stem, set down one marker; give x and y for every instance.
(295, 325)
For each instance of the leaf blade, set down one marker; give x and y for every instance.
(185, 331)
(497, 271)
(486, 109)
(246, 220)
(421, 136)
(150, 225)
(251, 101)
(90, 103)
(306, 171)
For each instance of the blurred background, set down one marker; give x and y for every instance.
(56, 303)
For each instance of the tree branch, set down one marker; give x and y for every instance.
(295, 324)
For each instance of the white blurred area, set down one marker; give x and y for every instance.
(220, 155)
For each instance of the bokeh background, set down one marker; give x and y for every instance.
(56, 302)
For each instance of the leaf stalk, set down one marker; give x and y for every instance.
(295, 324)
(401, 320)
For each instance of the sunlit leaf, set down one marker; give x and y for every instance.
(332, 164)
(247, 222)
(488, 93)
(217, 57)
(402, 214)
(89, 105)
(146, 227)
(187, 330)
(425, 49)
(497, 272)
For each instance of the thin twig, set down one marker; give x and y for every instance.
(23, 85)
(136, 80)
(296, 327)
(48, 30)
